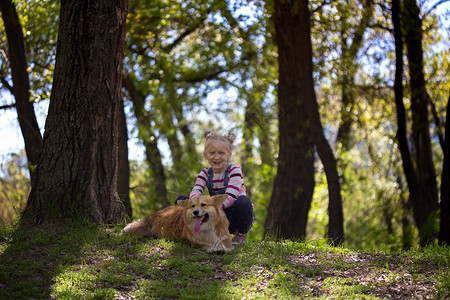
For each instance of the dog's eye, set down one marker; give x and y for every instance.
(193, 205)
(203, 204)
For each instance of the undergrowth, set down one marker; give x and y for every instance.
(72, 261)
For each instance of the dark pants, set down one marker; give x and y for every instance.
(240, 214)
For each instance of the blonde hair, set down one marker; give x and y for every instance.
(227, 139)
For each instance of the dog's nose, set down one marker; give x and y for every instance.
(195, 212)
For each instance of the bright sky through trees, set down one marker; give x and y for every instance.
(11, 136)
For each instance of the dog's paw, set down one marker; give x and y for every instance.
(126, 229)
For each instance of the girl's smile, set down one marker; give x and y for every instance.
(218, 156)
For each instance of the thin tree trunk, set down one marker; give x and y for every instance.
(348, 58)
(336, 219)
(425, 199)
(152, 153)
(407, 232)
(189, 142)
(77, 172)
(247, 137)
(21, 84)
(407, 162)
(169, 131)
(335, 214)
(123, 174)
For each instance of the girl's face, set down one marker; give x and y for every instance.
(218, 155)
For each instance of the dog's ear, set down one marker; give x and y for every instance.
(219, 199)
(187, 202)
(183, 203)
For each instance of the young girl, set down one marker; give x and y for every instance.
(225, 178)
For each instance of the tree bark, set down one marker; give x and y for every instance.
(401, 136)
(77, 171)
(21, 84)
(335, 231)
(294, 183)
(406, 216)
(300, 129)
(444, 233)
(425, 193)
(123, 173)
(336, 218)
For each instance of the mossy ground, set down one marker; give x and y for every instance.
(89, 262)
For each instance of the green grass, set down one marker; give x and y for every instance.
(90, 262)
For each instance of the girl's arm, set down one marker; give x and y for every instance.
(235, 186)
(200, 183)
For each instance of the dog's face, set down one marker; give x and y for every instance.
(201, 211)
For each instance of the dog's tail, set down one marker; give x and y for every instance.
(140, 227)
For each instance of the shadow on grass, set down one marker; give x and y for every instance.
(81, 261)
(164, 269)
(33, 256)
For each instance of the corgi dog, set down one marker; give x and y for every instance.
(201, 220)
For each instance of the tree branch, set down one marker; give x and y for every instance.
(435, 6)
(199, 78)
(437, 123)
(187, 32)
(7, 106)
(6, 84)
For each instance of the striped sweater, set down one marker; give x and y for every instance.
(235, 187)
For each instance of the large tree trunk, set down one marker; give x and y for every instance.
(294, 183)
(444, 233)
(425, 196)
(21, 84)
(77, 171)
(300, 129)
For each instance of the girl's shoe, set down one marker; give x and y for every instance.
(239, 239)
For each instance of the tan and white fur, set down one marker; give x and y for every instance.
(201, 220)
